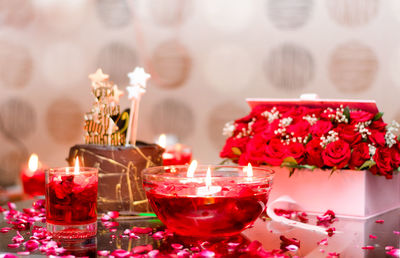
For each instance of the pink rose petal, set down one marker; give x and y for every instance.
(105, 217)
(323, 242)
(380, 221)
(333, 255)
(12, 206)
(119, 253)
(153, 253)
(368, 247)
(15, 245)
(206, 254)
(103, 253)
(292, 248)
(158, 235)
(142, 249)
(18, 238)
(389, 247)
(183, 253)
(396, 232)
(372, 236)
(177, 246)
(10, 256)
(113, 214)
(395, 252)
(139, 230)
(24, 253)
(5, 230)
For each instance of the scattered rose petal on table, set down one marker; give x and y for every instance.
(372, 236)
(142, 249)
(158, 235)
(24, 253)
(177, 246)
(140, 230)
(103, 252)
(120, 253)
(331, 231)
(396, 232)
(154, 253)
(368, 247)
(113, 214)
(333, 255)
(15, 245)
(323, 242)
(395, 252)
(32, 245)
(380, 221)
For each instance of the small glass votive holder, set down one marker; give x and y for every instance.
(71, 202)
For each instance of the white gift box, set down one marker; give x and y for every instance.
(346, 192)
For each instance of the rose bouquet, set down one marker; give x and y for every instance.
(307, 137)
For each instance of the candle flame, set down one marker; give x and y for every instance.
(162, 140)
(192, 168)
(208, 177)
(33, 163)
(249, 170)
(76, 167)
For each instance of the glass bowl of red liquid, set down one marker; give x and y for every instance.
(71, 202)
(220, 204)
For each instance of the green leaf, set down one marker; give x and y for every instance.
(289, 162)
(236, 151)
(310, 167)
(367, 164)
(346, 113)
(291, 171)
(398, 138)
(224, 161)
(377, 116)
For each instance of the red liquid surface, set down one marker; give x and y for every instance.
(71, 200)
(208, 216)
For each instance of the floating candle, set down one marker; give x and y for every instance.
(32, 177)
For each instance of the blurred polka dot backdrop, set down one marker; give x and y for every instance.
(205, 57)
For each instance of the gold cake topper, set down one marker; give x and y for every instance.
(101, 122)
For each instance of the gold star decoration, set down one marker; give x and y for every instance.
(98, 76)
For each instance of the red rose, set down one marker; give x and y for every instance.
(320, 128)
(395, 156)
(336, 154)
(275, 152)
(314, 153)
(377, 137)
(378, 125)
(348, 133)
(296, 150)
(360, 116)
(359, 155)
(231, 142)
(255, 150)
(383, 160)
(299, 129)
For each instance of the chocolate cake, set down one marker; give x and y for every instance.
(120, 167)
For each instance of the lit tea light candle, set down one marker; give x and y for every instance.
(208, 189)
(176, 154)
(32, 177)
(71, 201)
(249, 172)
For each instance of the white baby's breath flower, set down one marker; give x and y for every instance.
(390, 136)
(228, 129)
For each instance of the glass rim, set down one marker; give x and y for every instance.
(63, 170)
(160, 171)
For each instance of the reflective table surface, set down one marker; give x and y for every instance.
(355, 238)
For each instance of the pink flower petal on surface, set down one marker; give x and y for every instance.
(368, 247)
(103, 253)
(15, 245)
(373, 236)
(5, 229)
(177, 246)
(158, 235)
(142, 249)
(333, 255)
(154, 253)
(380, 221)
(389, 247)
(113, 214)
(24, 253)
(110, 224)
(12, 206)
(292, 248)
(10, 256)
(395, 252)
(206, 254)
(105, 217)
(18, 238)
(323, 242)
(183, 254)
(396, 232)
(119, 253)
(32, 245)
(139, 230)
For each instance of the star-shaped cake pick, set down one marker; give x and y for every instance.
(138, 77)
(98, 77)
